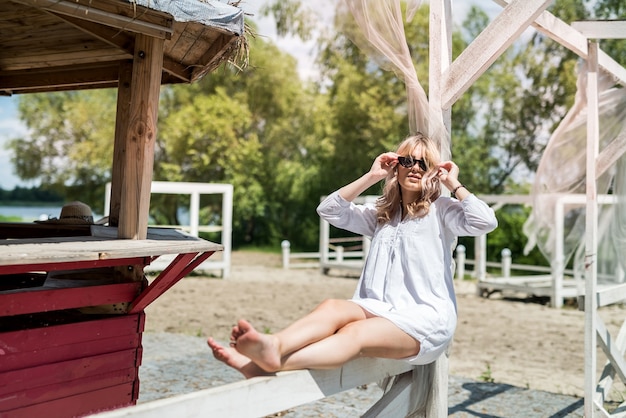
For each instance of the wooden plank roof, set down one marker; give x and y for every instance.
(50, 45)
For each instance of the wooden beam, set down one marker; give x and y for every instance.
(140, 138)
(601, 29)
(569, 37)
(612, 351)
(611, 153)
(59, 78)
(488, 46)
(591, 230)
(90, 13)
(261, 396)
(111, 36)
(124, 97)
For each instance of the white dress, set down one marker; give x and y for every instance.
(408, 274)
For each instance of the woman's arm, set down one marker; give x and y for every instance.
(379, 170)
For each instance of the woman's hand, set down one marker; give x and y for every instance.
(448, 174)
(383, 164)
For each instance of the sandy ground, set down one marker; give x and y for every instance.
(502, 339)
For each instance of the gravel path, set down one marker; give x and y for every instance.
(175, 364)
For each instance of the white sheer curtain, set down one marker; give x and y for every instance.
(562, 171)
(379, 32)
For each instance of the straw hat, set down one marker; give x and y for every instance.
(73, 213)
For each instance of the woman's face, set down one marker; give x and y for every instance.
(411, 167)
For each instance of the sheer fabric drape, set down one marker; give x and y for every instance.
(379, 32)
(562, 171)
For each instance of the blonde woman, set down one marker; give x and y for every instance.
(404, 306)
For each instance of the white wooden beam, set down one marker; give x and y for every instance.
(488, 46)
(396, 402)
(611, 153)
(601, 29)
(608, 374)
(261, 396)
(611, 349)
(440, 57)
(572, 39)
(591, 231)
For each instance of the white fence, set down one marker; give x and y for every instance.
(220, 261)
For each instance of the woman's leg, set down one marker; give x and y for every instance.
(311, 343)
(268, 351)
(372, 337)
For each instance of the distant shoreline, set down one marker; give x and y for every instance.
(34, 204)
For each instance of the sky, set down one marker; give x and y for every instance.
(11, 126)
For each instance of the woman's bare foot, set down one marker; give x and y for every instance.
(236, 360)
(234, 334)
(262, 349)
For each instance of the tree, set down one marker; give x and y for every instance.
(68, 148)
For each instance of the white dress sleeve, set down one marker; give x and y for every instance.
(469, 217)
(337, 211)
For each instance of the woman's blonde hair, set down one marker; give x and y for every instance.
(390, 203)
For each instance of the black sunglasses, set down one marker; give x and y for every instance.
(409, 162)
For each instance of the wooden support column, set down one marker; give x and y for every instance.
(140, 138)
(119, 147)
(591, 231)
(440, 58)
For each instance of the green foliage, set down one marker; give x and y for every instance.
(20, 195)
(283, 142)
(69, 146)
(487, 375)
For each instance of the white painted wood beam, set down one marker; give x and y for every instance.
(611, 349)
(488, 46)
(396, 402)
(608, 374)
(575, 41)
(601, 29)
(591, 230)
(261, 396)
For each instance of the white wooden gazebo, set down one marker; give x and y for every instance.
(449, 80)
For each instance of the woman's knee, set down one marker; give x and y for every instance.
(343, 311)
(332, 305)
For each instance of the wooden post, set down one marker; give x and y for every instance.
(591, 231)
(124, 89)
(140, 138)
(440, 58)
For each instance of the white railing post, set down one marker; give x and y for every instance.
(480, 257)
(339, 254)
(285, 245)
(194, 213)
(460, 262)
(506, 263)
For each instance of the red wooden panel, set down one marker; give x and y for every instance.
(32, 301)
(36, 341)
(58, 373)
(79, 405)
(55, 354)
(73, 265)
(47, 393)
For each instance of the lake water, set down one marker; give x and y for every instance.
(31, 213)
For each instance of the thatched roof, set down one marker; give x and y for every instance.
(49, 45)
